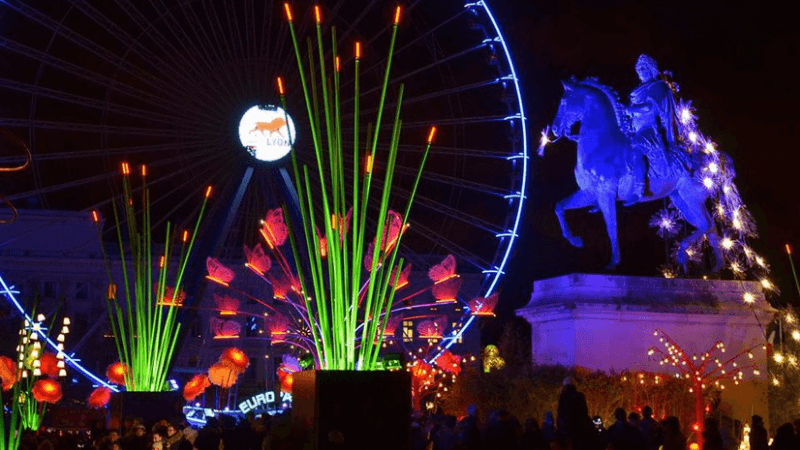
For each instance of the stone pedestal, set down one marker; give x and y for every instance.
(607, 322)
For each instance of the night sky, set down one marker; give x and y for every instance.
(738, 64)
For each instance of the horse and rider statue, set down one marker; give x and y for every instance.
(633, 154)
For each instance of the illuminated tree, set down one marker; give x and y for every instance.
(704, 372)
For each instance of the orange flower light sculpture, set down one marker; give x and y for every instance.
(99, 397)
(116, 373)
(8, 373)
(195, 387)
(49, 365)
(223, 374)
(46, 390)
(236, 358)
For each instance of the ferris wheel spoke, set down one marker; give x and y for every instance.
(455, 181)
(437, 206)
(450, 151)
(207, 47)
(84, 181)
(406, 46)
(193, 196)
(426, 68)
(441, 93)
(219, 33)
(165, 67)
(60, 29)
(207, 52)
(39, 157)
(84, 101)
(85, 74)
(71, 126)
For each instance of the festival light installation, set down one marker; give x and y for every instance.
(345, 308)
(144, 324)
(706, 371)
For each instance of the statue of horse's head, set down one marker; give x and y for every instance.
(570, 110)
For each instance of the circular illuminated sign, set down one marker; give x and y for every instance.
(267, 132)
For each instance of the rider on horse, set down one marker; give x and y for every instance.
(655, 133)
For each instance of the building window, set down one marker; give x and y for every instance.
(82, 291)
(408, 330)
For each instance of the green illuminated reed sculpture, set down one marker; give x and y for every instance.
(348, 307)
(145, 325)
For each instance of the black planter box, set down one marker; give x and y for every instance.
(371, 410)
(148, 406)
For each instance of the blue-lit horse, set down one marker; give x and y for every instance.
(609, 167)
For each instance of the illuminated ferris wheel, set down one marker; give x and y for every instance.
(166, 84)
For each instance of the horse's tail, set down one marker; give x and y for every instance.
(734, 222)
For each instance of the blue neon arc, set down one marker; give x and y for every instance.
(511, 234)
(9, 293)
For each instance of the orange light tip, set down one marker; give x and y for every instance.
(280, 86)
(126, 169)
(358, 50)
(788, 249)
(431, 135)
(208, 192)
(337, 63)
(95, 216)
(397, 12)
(288, 10)
(185, 235)
(368, 164)
(317, 14)
(144, 170)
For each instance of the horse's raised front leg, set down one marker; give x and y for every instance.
(607, 201)
(578, 200)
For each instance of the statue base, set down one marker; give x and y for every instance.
(607, 323)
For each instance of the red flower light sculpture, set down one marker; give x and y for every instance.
(227, 305)
(49, 365)
(432, 329)
(8, 373)
(236, 358)
(274, 228)
(218, 273)
(257, 260)
(116, 373)
(195, 387)
(449, 362)
(223, 374)
(99, 397)
(278, 326)
(46, 390)
(402, 280)
(483, 306)
(225, 329)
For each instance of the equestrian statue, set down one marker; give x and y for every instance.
(634, 154)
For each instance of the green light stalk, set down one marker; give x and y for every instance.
(347, 306)
(145, 325)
